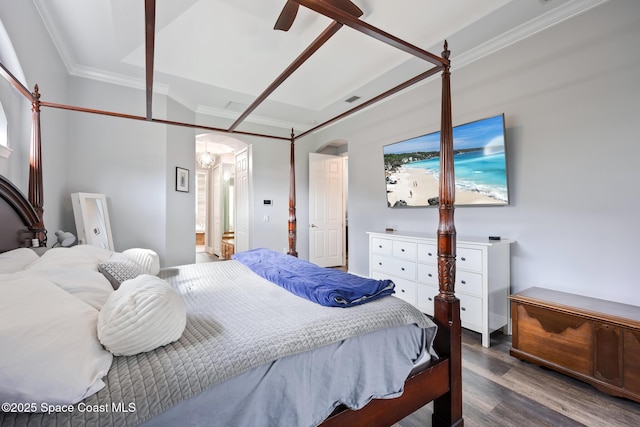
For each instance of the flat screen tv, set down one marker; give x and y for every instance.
(412, 167)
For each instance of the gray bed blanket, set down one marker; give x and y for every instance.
(236, 321)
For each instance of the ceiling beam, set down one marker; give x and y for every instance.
(361, 26)
(150, 37)
(301, 59)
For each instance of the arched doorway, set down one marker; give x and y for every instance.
(217, 194)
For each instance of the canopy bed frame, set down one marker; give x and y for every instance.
(441, 381)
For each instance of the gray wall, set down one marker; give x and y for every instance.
(270, 170)
(124, 159)
(571, 97)
(35, 52)
(180, 219)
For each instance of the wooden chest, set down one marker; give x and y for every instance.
(593, 340)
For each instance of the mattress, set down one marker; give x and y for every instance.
(242, 326)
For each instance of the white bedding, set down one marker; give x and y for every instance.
(49, 305)
(49, 350)
(73, 270)
(241, 323)
(16, 260)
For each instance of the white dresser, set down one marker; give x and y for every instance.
(482, 275)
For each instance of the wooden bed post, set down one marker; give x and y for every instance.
(448, 408)
(292, 199)
(35, 168)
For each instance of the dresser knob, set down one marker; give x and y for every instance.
(430, 275)
(463, 259)
(430, 299)
(380, 246)
(379, 263)
(463, 282)
(402, 290)
(402, 268)
(430, 254)
(463, 309)
(402, 250)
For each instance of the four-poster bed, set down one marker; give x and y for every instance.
(438, 381)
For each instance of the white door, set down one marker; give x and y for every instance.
(216, 210)
(241, 232)
(326, 211)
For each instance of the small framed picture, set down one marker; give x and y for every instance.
(182, 180)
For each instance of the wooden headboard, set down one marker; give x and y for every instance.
(18, 218)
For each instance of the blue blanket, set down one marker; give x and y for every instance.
(325, 286)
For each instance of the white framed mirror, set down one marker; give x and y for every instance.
(92, 220)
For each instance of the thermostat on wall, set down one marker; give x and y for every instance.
(267, 202)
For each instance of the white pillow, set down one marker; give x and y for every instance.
(86, 257)
(147, 258)
(49, 351)
(120, 268)
(90, 286)
(16, 260)
(142, 314)
(75, 270)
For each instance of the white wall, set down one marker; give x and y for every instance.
(124, 159)
(41, 65)
(571, 97)
(270, 171)
(180, 219)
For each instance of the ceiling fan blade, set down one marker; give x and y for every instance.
(347, 6)
(287, 16)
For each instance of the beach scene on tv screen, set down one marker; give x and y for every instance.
(412, 167)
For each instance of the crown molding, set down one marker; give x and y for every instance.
(528, 29)
(117, 79)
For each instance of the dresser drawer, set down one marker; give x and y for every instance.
(404, 289)
(470, 307)
(470, 311)
(426, 294)
(469, 259)
(427, 253)
(381, 246)
(470, 283)
(428, 273)
(394, 266)
(404, 250)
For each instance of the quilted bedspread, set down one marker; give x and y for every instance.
(236, 321)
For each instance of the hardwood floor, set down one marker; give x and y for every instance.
(202, 256)
(500, 390)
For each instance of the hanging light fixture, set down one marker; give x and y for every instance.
(206, 160)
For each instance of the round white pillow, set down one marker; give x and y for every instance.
(143, 314)
(147, 258)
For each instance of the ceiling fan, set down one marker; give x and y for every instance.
(290, 10)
